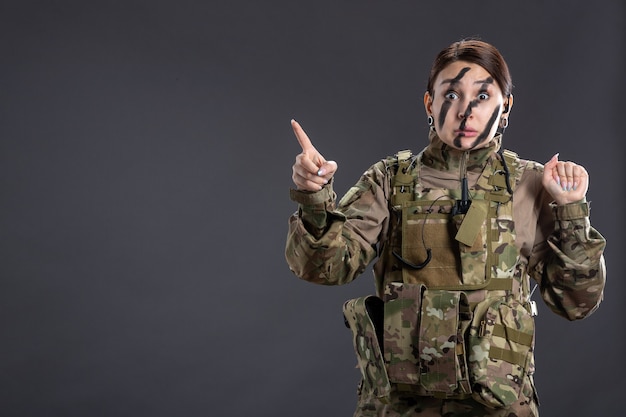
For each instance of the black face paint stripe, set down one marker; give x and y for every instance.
(473, 104)
(492, 120)
(445, 107)
(483, 135)
(467, 113)
(459, 76)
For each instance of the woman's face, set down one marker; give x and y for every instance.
(466, 105)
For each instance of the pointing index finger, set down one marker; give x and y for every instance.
(303, 139)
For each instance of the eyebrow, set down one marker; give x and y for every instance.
(488, 80)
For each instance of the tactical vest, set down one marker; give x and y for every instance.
(453, 319)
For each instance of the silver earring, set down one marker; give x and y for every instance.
(504, 122)
(430, 120)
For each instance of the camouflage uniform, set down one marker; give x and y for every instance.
(554, 245)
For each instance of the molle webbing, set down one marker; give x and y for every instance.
(490, 215)
(403, 182)
(453, 325)
(497, 196)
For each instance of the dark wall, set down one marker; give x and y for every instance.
(145, 162)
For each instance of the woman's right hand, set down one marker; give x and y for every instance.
(310, 171)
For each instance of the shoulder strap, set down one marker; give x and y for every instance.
(402, 181)
(509, 168)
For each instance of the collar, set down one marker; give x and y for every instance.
(441, 156)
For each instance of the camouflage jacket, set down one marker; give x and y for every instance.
(332, 244)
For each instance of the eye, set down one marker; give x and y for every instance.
(483, 96)
(451, 95)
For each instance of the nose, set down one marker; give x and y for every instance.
(465, 109)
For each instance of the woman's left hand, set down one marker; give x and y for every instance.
(567, 182)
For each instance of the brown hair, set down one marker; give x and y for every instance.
(477, 52)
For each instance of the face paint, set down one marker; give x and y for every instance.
(474, 103)
(468, 113)
(470, 93)
(485, 133)
(445, 107)
(492, 121)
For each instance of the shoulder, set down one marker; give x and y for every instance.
(531, 168)
(531, 176)
(388, 166)
(522, 166)
(378, 177)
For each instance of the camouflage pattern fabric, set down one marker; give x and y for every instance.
(404, 404)
(501, 341)
(401, 325)
(442, 351)
(467, 251)
(359, 318)
(580, 279)
(507, 243)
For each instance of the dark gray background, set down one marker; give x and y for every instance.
(145, 162)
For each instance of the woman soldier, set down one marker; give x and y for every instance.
(458, 232)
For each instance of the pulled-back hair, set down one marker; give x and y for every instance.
(477, 52)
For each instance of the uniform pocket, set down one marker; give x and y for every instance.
(471, 236)
(428, 246)
(364, 317)
(444, 319)
(501, 341)
(401, 331)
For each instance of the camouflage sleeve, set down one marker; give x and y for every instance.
(573, 277)
(333, 245)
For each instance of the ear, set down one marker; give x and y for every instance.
(428, 103)
(508, 104)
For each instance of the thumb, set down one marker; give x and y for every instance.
(550, 172)
(328, 169)
(552, 162)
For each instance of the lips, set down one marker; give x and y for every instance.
(465, 132)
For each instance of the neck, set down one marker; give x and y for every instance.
(442, 156)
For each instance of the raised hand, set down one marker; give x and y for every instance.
(311, 171)
(567, 182)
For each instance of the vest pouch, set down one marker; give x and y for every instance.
(364, 316)
(445, 318)
(501, 341)
(426, 225)
(401, 326)
(471, 235)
